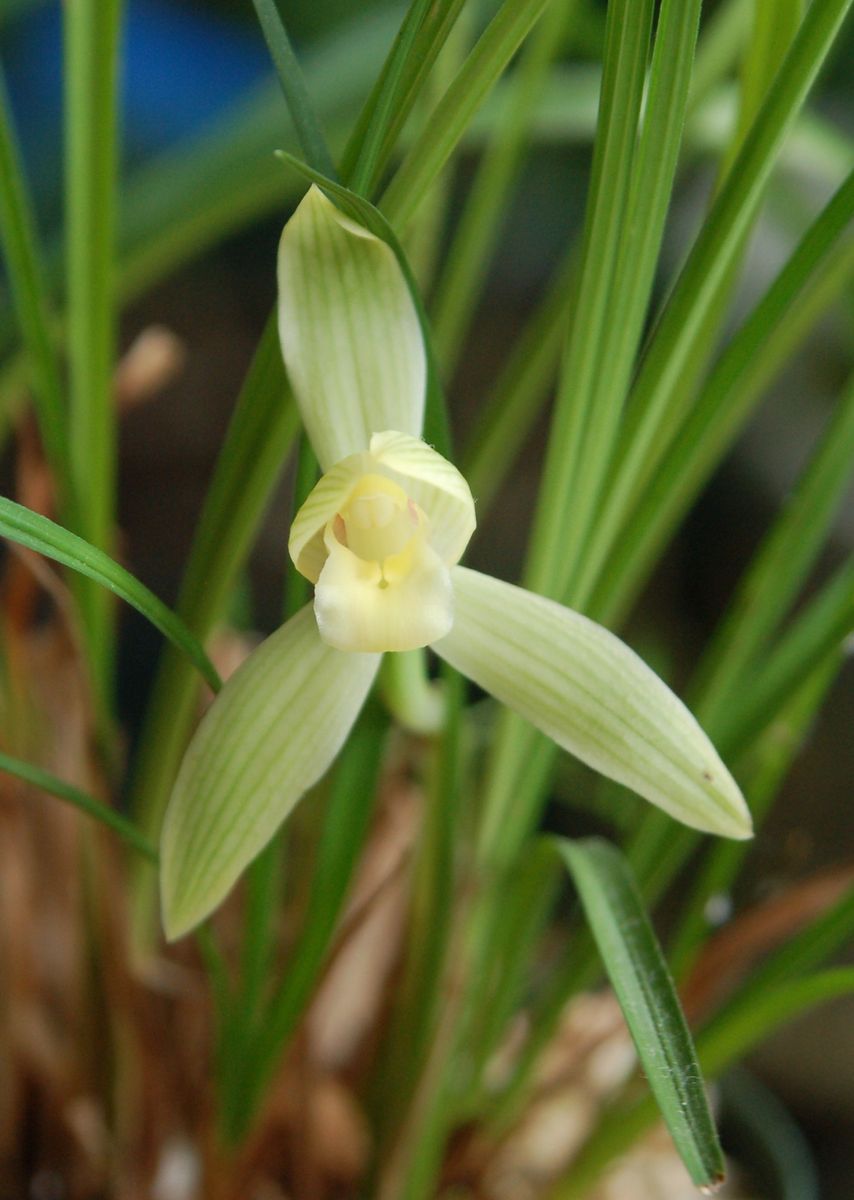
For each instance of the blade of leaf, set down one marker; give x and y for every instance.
(381, 109)
(476, 233)
(45, 537)
(448, 121)
(646, 995)
(659, 398)
(733, 1034)
(651, 184)
(781, 564)
(628, 29)
(824, 625)
(81, 800)
(808, 283)
(23, 263)
(421, 36)
(291, 78)
(92, 31)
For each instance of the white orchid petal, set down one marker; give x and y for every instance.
(357, 609)
(327, 497)
(435, 485)
(270, 734)
(588, 691)
(349, 330)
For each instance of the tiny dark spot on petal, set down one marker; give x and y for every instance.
(709, 776)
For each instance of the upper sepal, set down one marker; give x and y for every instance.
(350, 333)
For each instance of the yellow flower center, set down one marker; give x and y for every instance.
(377, 524)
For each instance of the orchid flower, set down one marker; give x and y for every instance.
(380, 537)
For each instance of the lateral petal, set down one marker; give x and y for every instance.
(594, 696)
(271, 733)
(326, 498)
(349, 330)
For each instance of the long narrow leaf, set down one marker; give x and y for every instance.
(823, 626)
(659, 399)
(646, 995)
(548, 560)
(651, 185)
(81, 800)
(19, 241)
(476, 233)
(294, 86)
(782, 563)
(382, 108)
(405, 71)
(45, 537)
(809, 282)
(92, 29)
(448, 121)
(732, 1035)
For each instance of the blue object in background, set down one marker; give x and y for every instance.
(182, 66)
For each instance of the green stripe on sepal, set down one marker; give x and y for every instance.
(436, 430)
(645, 992)
(271, 734)
(350, 333)
(592, 695)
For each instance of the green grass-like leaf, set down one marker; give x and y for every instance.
(81, 800)
(24, 265)
(475, 236)
(510, 798)
(294, 86)
(782, 563)
(733, 1033)
(92, 30)
(37, 533)
(693, 312)
(646, 995)
(448, 121)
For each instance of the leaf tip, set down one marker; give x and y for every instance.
(714, 1185)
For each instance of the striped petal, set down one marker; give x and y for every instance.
(327, 497)
(588, 691)
(350, 335)
(435, 485)
(271, 733)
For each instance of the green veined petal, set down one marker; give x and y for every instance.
(272, 732)
(350, 335)
(588, 691)
(435, 485)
